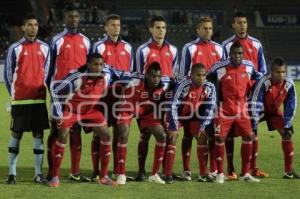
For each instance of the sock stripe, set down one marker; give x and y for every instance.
(38, 151)
(14, 150)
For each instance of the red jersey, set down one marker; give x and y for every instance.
(26, 70)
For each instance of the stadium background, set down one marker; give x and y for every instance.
(275, 22)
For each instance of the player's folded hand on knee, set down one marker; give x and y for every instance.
(172, 133)
(288, 132)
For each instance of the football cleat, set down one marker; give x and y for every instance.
(258, 173)
(156, 179)
(169, 179)
(213, 174)
(232, 176)
(79, 178)
(248, 178)
(291, 175)
(206, 178)
(220, 178)
(11, 179)
(39, 179)
(186, 176)
(121, 179)
(107, 181)
(95, 178)
(140, 177)
(54, 182)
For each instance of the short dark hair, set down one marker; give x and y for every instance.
(197, 66)
(95, 56)
(112, 17)
(70, 8)
(278, 61)
(28, 16)
(155, 66)
(156, 18)
(236, 44)
(238, 15)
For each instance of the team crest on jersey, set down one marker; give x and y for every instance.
(214, 54)
(192, 95)
(228, 77)
(39, 52)
(81, 46)
(200, 53)
(153, 55)
(68, 46)
(250, 50)
(25, 53)
(109, 53)
(122, 53)
(168, 54)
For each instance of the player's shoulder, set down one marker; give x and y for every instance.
(228, 40)
(16, 44)
(253, 38)
(84, 37)
(219, 65)
(59, 35)
(42, 43)
(144, 45)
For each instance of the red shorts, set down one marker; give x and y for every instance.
(241, 124)
(91, 118)
(144, 121)
(148, 121)
(274, 122)
(193, 127)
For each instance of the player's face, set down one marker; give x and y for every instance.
(158, 30)
(278, 74)
(236, 55)
(240, 25)
(205, 30)
(153, 78)
(72, 19)
(31, 28)
(198, 76)
(113, 28)
(96, 65)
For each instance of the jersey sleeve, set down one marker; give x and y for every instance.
(185, 62)
(60, 89)
(290, 105)
(257, 102)
(262, 67)
(178, 94)
(9, 68)
(209, 107)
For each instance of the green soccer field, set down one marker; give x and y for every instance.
(270, 159)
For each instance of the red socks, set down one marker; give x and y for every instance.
(104, 157)
(95, 153)
(254, 153)
(246, 152)
(202, 153)
(186, 146)
(121, 158)
(57, 154)
(288, 154)
(158, 156)
(219, 155)
(169, 159)
(75, 149)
